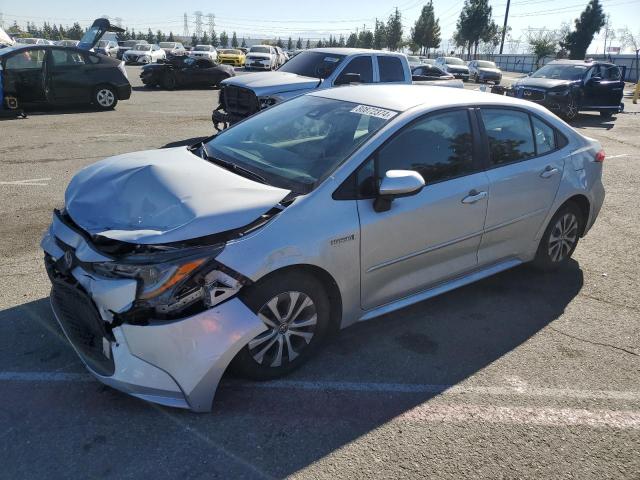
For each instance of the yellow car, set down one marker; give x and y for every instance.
(231, 56)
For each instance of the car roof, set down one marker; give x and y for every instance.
(404, 97)
(15, 48)
(586, 63)
(354, 51)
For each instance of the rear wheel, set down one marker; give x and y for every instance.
(295, 309)
(475, 78)
(105, 98)
(560, 239)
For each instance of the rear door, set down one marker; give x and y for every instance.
(391, 69)
(525, 165)
(68, 76)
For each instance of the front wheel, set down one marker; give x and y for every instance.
(169, 81)
(105, 98)
(571, 110)
(560, 239)
(606, 113)
(295, 309)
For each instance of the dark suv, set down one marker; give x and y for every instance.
(567, 87)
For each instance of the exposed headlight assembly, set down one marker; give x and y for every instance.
(171, 281)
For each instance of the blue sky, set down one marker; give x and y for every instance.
(306, 18)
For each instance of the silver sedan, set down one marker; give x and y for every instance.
(246, 250)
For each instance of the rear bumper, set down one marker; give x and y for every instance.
(124, 91)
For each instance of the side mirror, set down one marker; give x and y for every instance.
(395, 184)
(347, 78)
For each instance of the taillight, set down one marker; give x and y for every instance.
(600, 156)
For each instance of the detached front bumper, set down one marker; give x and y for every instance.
(177, 363)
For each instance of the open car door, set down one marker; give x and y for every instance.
(99, 27)
(5, 40)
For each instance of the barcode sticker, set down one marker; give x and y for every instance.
(374, 112)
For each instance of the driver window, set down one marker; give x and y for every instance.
(611, 73)
(28, 59)
(361, 65)
(438, 147)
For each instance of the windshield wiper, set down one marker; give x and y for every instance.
(204, 153)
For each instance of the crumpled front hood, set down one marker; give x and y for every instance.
(267, 83)
(163, 196)
(543, 82)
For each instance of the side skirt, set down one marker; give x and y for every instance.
(474, 276)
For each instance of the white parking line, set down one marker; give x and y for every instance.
(609, 157)
(32, 182)
(356, 387)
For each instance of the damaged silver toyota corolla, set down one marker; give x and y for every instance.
(247, 249)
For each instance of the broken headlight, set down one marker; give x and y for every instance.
(169, 282)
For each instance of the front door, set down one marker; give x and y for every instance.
(526, 165)
(603, 87)
(25, 75)
(434, 235)
(68, 76)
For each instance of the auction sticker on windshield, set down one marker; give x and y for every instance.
(374, 112)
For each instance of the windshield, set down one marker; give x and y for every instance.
(230, 52)
(202, 48)
(142, 48)
(413, 59)
(297, 144)
(28, 41)
(130, 43)
(453, 61)
(313, 64)
(102, 44)
(260, 50)
(484, 64)
(167, 44)
(561, 71)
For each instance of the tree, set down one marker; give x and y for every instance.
(234, 40)
(224, 40)
(394, 30)
(379, 36)
(352, 40)
(150, 38)
(341, 41)
(543, 43)
(591, 20)
(365, 39)
(299, 44)
(160, 36)
(279, 43)
(474, 25)
(205, 39)
(194, 40)
(244, 43)
(426, 31)
(319, 44)
(308, 44)
(171, 38)
(630, 40)
(214, 39)
(290, 44)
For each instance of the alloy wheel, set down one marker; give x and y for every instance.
(572, 109)
(291, 318)
(105, 97)
(563, 237)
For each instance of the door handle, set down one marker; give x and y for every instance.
(549, 172)
(474, 196)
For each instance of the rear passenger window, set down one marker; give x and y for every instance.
(438, 147)
(390, 69)
(509, 135)
(544, 136)
(361, 65)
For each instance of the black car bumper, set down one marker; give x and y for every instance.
(123, 91)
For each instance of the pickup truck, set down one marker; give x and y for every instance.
(313, 69)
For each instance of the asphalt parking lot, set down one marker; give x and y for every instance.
(522, 375)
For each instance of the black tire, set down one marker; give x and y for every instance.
(169, 81)
(606, 113)
(476, 79)
(570, 112)
(546, 259)
(279, 287)
(104, 97)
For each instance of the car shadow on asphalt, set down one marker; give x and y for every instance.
(585, 120)
(280, 430)
(184, 143)
(144, 88)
